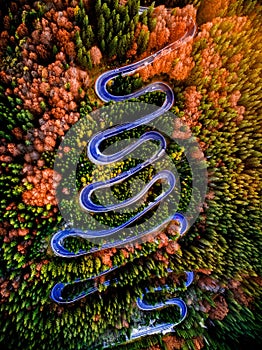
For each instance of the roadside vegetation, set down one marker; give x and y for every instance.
(51, 52)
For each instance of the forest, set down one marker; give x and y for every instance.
(51, 54)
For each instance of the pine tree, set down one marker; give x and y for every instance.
(78, 40)
(101, 28)
(142, 41)
(103, 45)
(89, 61)
(85, 21)
(105, 11)
(90, 35)
(133, 7)
(113, 46)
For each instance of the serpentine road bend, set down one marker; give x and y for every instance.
(97, 157)
(56, 293)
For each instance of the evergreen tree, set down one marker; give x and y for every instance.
(142, 41)
(133, 7)
(98, 7)
(113, 47)
(101, 28)
(105, 11)
(78, 40)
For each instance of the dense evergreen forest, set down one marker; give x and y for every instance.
(51, 53)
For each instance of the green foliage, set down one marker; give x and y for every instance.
(226, 239)
(84, 38)
(125, 85)
(115, 26)
(142, 41)
(11, 116)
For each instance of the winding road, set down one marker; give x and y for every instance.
(97, 157)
